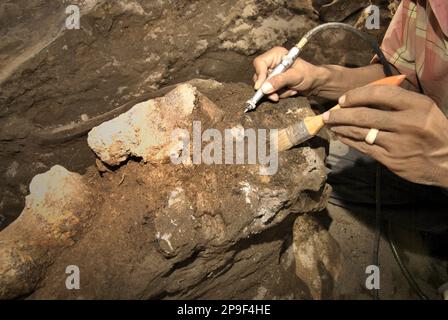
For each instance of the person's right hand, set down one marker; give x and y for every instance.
(300, 77)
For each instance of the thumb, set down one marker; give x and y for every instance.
(290, 78)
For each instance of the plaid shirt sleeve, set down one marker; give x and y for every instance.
(397, 45)
(416, 44)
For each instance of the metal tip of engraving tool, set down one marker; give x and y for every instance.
(249, 107)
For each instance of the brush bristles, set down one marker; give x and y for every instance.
(310, 126)
(292, 136)
(284, 143)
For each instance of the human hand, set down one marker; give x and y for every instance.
(300, 77)
(413, 137)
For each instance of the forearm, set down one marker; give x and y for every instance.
(333, 81)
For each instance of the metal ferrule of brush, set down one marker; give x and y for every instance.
(286, 63)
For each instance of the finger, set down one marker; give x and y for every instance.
(376, 152)
(261, 69)
(254, 78)
(381, 97)
(288, 93)
(274, 97)
(263, 66)
(289, 78)
(362, 117)
(275, 61)
(360, 134)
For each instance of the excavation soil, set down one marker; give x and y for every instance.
(124, 253)
(52, 80)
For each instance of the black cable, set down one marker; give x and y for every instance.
(364, 36)
(414, 285)
(378, 214)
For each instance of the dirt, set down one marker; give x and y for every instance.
(184, 231)
(422, 254)
(67, 81)
(56, 84)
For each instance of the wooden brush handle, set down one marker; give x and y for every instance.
(316, 123)
(310, 126)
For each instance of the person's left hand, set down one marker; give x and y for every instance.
(413, 137)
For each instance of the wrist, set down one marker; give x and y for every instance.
(332, 81)
(322, 77)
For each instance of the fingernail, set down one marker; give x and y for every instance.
(326, 116)
(274, 97)
(257, 86)
(293, 92)
(342, 100)
(267, 88)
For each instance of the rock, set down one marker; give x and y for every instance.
(248, 37)
(317, 255)
(338, 10)
(56, 212)
(164, 230)
(145, 130)
(52, 78)
(301, 6)
(175, 224)
(56, 84)
(55, 204)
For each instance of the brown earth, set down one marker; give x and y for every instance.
(150, 230)
(56, 84)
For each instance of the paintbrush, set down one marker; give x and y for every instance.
(310, 126)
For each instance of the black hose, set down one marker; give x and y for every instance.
(378, 221)
(367, 38)
(414, 285)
